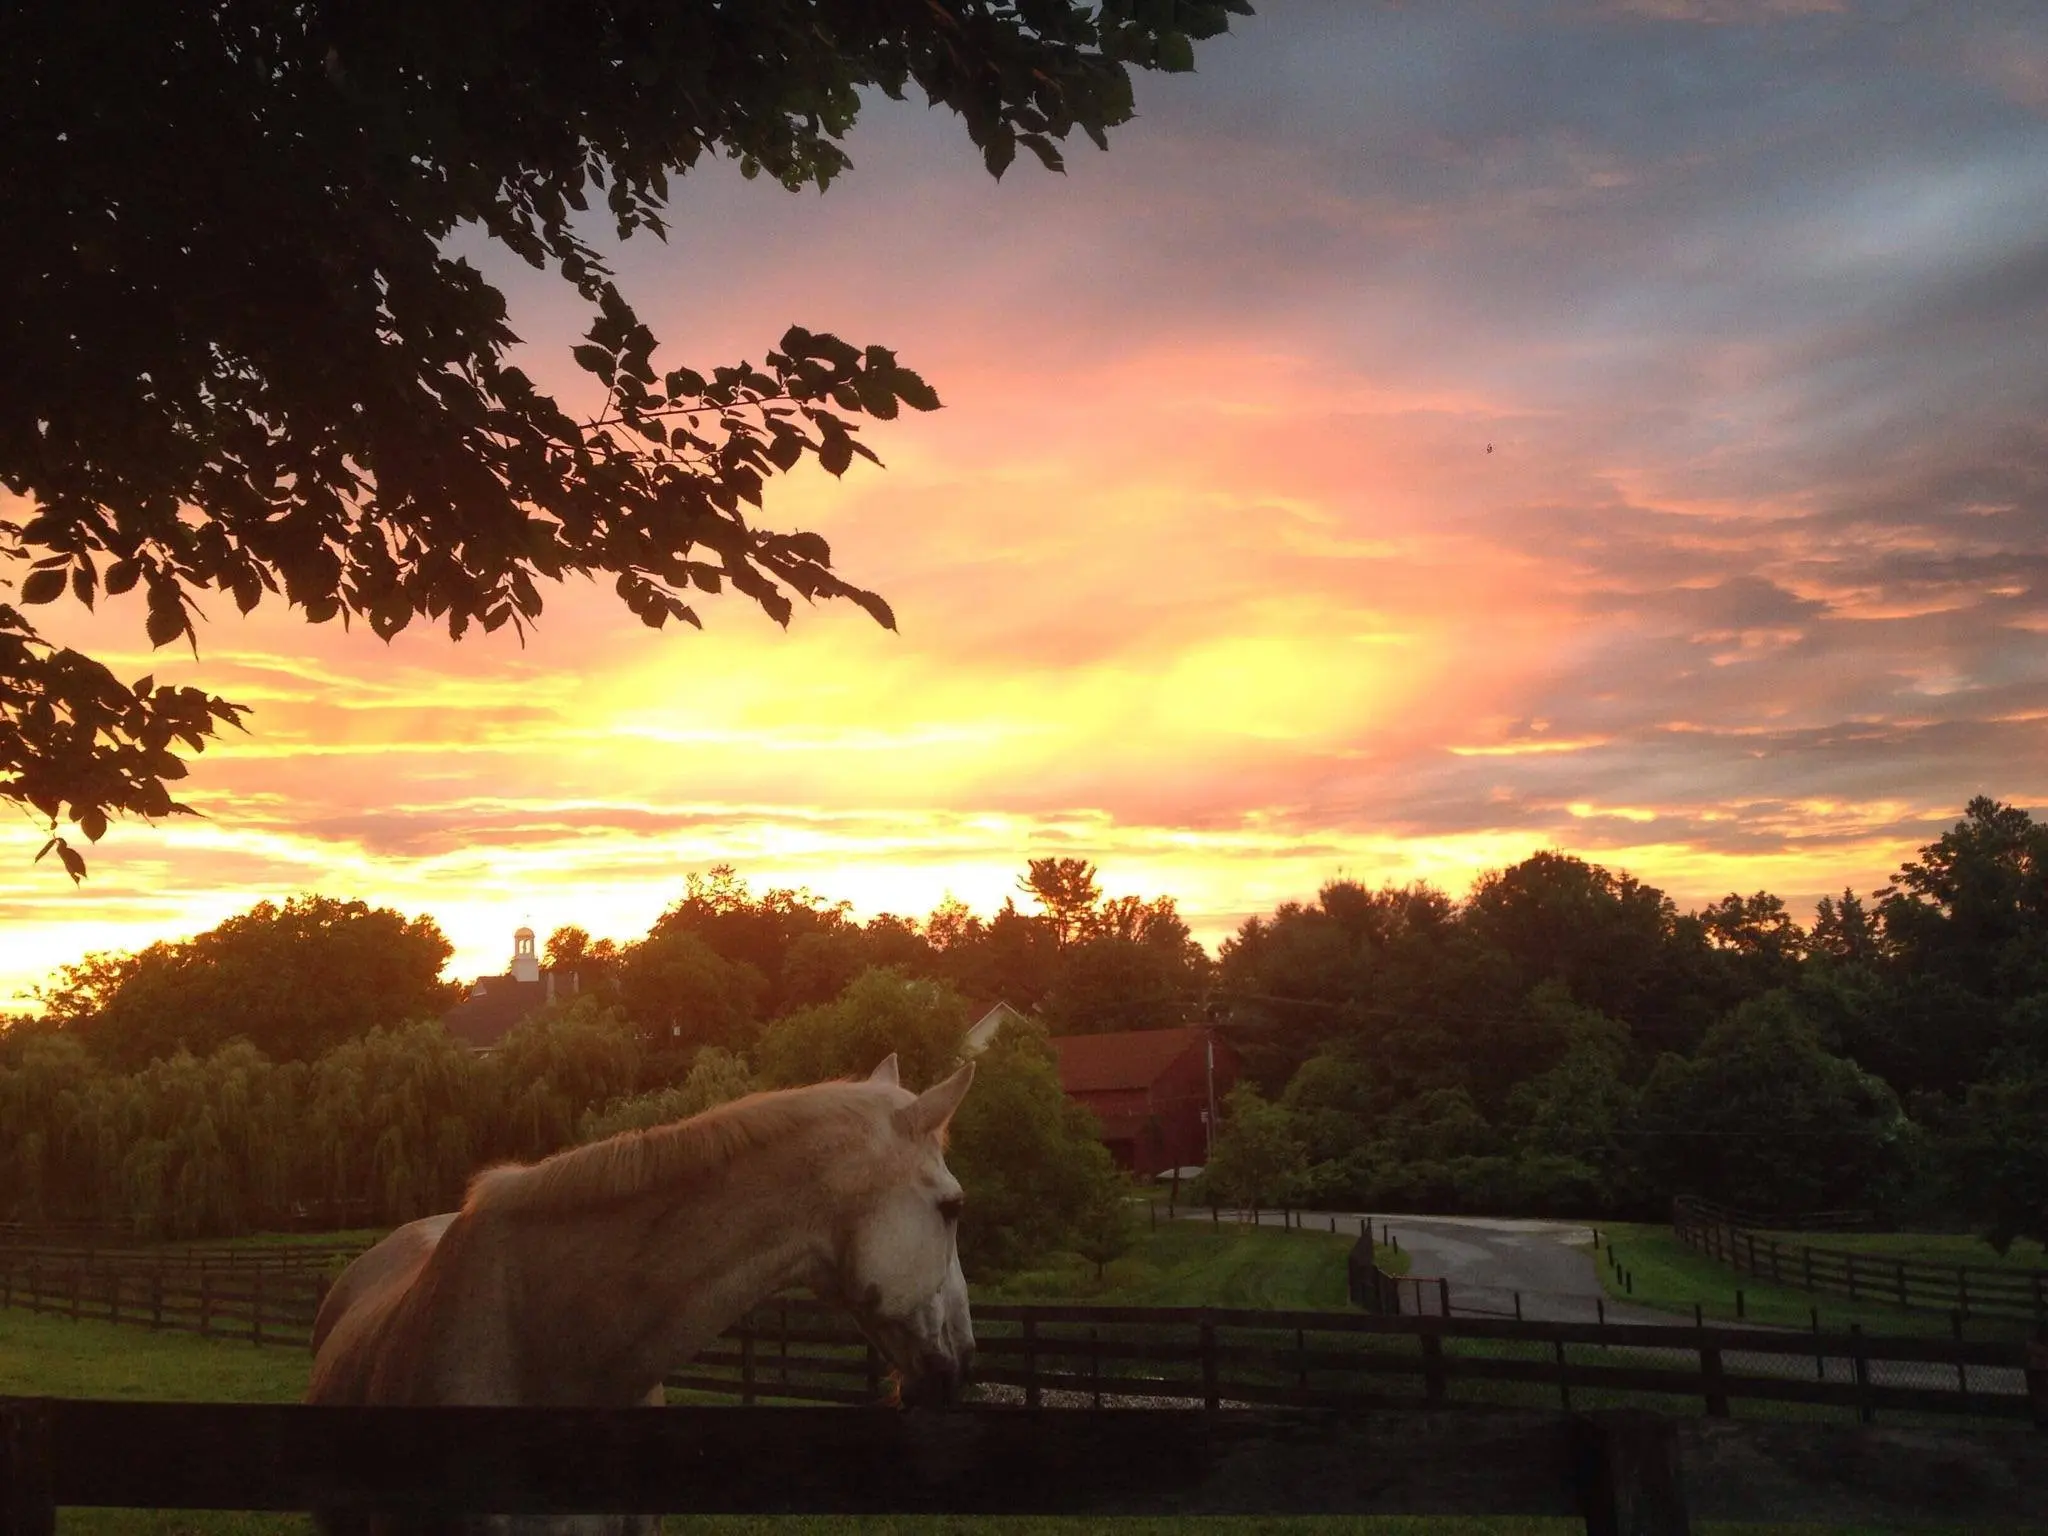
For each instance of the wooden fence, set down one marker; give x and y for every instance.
(1378, 1290)
(793, 1349)
(1961, 1290)
(1627, 1472)
(259, 1300)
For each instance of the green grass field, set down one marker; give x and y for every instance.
(1671, 1278)
(1191, 1264)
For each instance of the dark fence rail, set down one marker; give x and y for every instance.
(1618, 1472)
(1963, 1290)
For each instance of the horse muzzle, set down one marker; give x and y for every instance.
(936, 1381)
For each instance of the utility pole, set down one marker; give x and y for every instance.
(1209, 1120)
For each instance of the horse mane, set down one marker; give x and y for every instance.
(633, 1162)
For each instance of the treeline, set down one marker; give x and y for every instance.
(715, 969)
(391, 1124)
(1563, 1039)
(1566, 1040)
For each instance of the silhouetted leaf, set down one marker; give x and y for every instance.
(164, 624)
(42, 587)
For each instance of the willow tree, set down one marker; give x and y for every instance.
(242, 358)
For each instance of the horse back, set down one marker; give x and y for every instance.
(358, 1307)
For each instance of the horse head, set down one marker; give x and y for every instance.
(897, 1267)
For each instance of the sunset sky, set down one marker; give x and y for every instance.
(1205, 572)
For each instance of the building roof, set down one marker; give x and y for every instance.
(984, 1029)
(1134, 1059)
(492, 1009)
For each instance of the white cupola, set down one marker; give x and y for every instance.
(525, 963)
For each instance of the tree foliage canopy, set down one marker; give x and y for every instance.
(242, 358)
(292, 980)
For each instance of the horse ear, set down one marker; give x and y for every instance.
(935, 1106)
(886, 1072)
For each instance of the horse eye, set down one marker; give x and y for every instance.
(950, 1208)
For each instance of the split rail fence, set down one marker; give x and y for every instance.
(1960, 1290)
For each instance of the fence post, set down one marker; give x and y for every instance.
(1518, 1306)
(114, 1296)
(1902, 1282)
(256, 1309)
(1031, 1399)
(747, 1364)
(1628, 1474)
(1301, 1364)
(6, 1280)
(77, 1283)
(1095, 1365)
(1715, 1378)
(35, 1286)
(1211, 1398)
(1433, 1385)
(1443, 1296)
(26, 1505)
(1865, 1414)
(1963, 1289)
(1820, 1361)
(2037, 1381)
(1564, 1381)
(156, 1299)
(874, 1371)
(205, 1302)
(1850, 1268)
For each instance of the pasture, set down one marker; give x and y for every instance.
(1189, 1264)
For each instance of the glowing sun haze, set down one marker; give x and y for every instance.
(1429, 435)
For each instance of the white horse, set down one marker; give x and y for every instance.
(585, 1279)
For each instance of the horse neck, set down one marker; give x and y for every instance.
(654, 1279)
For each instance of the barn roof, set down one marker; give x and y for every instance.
(1134, 1059)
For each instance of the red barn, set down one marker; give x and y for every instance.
(1151, 1089)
